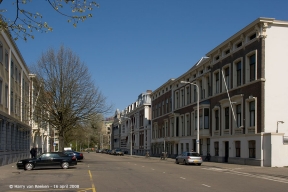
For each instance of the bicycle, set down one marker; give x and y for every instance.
(147, 155)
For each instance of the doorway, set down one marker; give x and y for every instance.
(226, 151)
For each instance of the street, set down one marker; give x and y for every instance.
(105, 173)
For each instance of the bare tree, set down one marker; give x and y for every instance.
(67, 96)
(26, 22)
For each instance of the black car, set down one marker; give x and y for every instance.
(45, 160)
(78, 155)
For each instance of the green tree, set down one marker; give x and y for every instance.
(26, 22)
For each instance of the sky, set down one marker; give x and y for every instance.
(131, 46)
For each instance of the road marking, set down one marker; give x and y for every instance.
(91, 179)
(163, 172)
(206, 185)
(153, 169)
(266, 177)
(143, 166)
(182, 177)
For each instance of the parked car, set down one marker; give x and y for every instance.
(118, 152)
(46, 160)
(78, 155)
(189, 158)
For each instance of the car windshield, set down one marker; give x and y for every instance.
(193, 154)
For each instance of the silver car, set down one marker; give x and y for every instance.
(189, 158)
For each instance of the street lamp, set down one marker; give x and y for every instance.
(130, 133)
(277, 125)
(198, 122)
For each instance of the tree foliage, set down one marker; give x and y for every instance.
(26, 22)
(67, 97)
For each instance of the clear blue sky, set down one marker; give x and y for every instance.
(131, 46)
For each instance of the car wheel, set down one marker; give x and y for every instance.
(177, 162)
(65, 165)
(199, 164)
(29, 166)
(184, 162)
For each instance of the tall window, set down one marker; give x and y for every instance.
(0, 92)
(1, 52)
(226, 117)
(11, 103)
(237, 148)
(252, 67)
(195, 93)
(227, 79)
(216, 146)
(201, 119)
(6, 60)
(208, 86)
(201, 90)
(238, 115)
(188, 125)
(206, 118)
(252, 149)
(188, 94)
(252, 113)
(6, 96)
(163, 107)
(217, 82)
(12, 69)
(176, 100)
(182, 98)
(216, 119)
(238, 71)
(167, 105)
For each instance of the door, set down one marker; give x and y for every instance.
(226, 151)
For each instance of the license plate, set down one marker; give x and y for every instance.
(195, 161)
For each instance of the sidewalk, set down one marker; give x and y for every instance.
(9, 170)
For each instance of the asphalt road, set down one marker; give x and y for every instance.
(105, 173)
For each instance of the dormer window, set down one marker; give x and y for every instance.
(227, 51)
(239, 45)
(253, 36)
(217, 58)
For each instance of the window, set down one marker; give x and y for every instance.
(188, 94)
(208, 86)
(12, 69)
(201, 119)
(216, 147)
(202, 91)
(238, 72)
(227, 51)
(226, 117)
(227, 79)
(217, 88)
(252, 113)
(237, 148)
(216, 119)
(252, 149)
(252, 67)
(253, 36)
(182, 98)
(176, 100)
(6, 96)
(0, 92)
(1, 52)
(16, 74)
(188, 125)
(167, 105)
(238, 44)
(195, 93)
(11, 102)
(206, 118)
(6, 60)
(238, 115)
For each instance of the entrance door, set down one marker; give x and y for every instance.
(226, 151)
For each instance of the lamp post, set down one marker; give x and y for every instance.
(198, 122)
(130, 133)
(278, 124)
